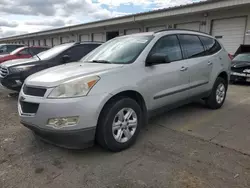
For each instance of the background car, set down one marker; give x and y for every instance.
(23, 53)
(8, 48)
(240, 69)
(14, 72)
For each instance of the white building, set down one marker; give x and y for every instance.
(227, 20)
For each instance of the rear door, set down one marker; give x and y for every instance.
(199, 65)
(168, 83)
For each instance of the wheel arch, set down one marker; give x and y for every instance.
(131, 94)
(225, 76)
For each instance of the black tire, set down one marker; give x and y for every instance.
(104, 134)
(211, 101)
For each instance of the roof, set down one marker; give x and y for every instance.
(154, 14)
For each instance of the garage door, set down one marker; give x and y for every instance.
(48, 42)
(158, 28)
(64, 39)
(190, 26)
(132, 31)
(55, 41)
(83, 38)
(98, 37)
(230, 32)
(36, 43)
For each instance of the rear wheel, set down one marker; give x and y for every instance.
(218, 94)
(119, 124)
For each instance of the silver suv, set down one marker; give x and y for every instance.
(111, 92)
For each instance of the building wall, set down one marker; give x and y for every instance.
(204, 18)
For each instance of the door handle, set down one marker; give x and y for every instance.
(184, 68)
(209, 63)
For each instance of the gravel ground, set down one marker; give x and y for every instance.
(162, 157)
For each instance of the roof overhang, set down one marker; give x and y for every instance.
(203, 6)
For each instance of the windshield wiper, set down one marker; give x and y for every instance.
(101, 61)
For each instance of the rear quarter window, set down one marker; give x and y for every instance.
(211, 45)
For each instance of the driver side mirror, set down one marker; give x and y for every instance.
(66, 58)
(155, 59)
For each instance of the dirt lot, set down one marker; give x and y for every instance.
(190, 147)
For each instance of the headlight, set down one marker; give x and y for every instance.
(20, 68)
(74, 88)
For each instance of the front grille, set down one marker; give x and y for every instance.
(3, 71)
(239, 70)
(30, 108)
(39, 92)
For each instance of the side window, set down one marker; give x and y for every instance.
(77, 52)
(11, 48)
(212, 46)
(4, 48)
(168, 46)
(24, 52)
(35, 51)
(191, 46)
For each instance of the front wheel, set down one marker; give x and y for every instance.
(218, 94)
(119, 124)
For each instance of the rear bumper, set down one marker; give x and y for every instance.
(72, 139)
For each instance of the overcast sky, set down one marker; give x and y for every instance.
(26, 16)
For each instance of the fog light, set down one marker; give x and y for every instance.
(63, 122)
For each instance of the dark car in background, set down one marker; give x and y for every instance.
(8, 48)
(240, 68)
(23, 53)
(14, 72)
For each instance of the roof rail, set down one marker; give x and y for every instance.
(180, 30)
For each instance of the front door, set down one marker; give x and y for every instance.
(167, 82)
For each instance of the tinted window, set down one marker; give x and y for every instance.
(24, 52)
(212, 46)
(79, 51)
(35, 51)
(11, 48)
(168, 46)
(3, 48)
(54, 51)
(191, 46)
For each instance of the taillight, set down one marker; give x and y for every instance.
(230, 56)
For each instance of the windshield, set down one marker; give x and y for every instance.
(16, 51)
(122, 50)
(54, 51)
(242, 57)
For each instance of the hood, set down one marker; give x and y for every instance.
(15, 62)
(240, 64)
(56, 75)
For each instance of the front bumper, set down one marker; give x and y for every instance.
(78, 139)
(236, 76)
(12, 83)
(86, 108)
